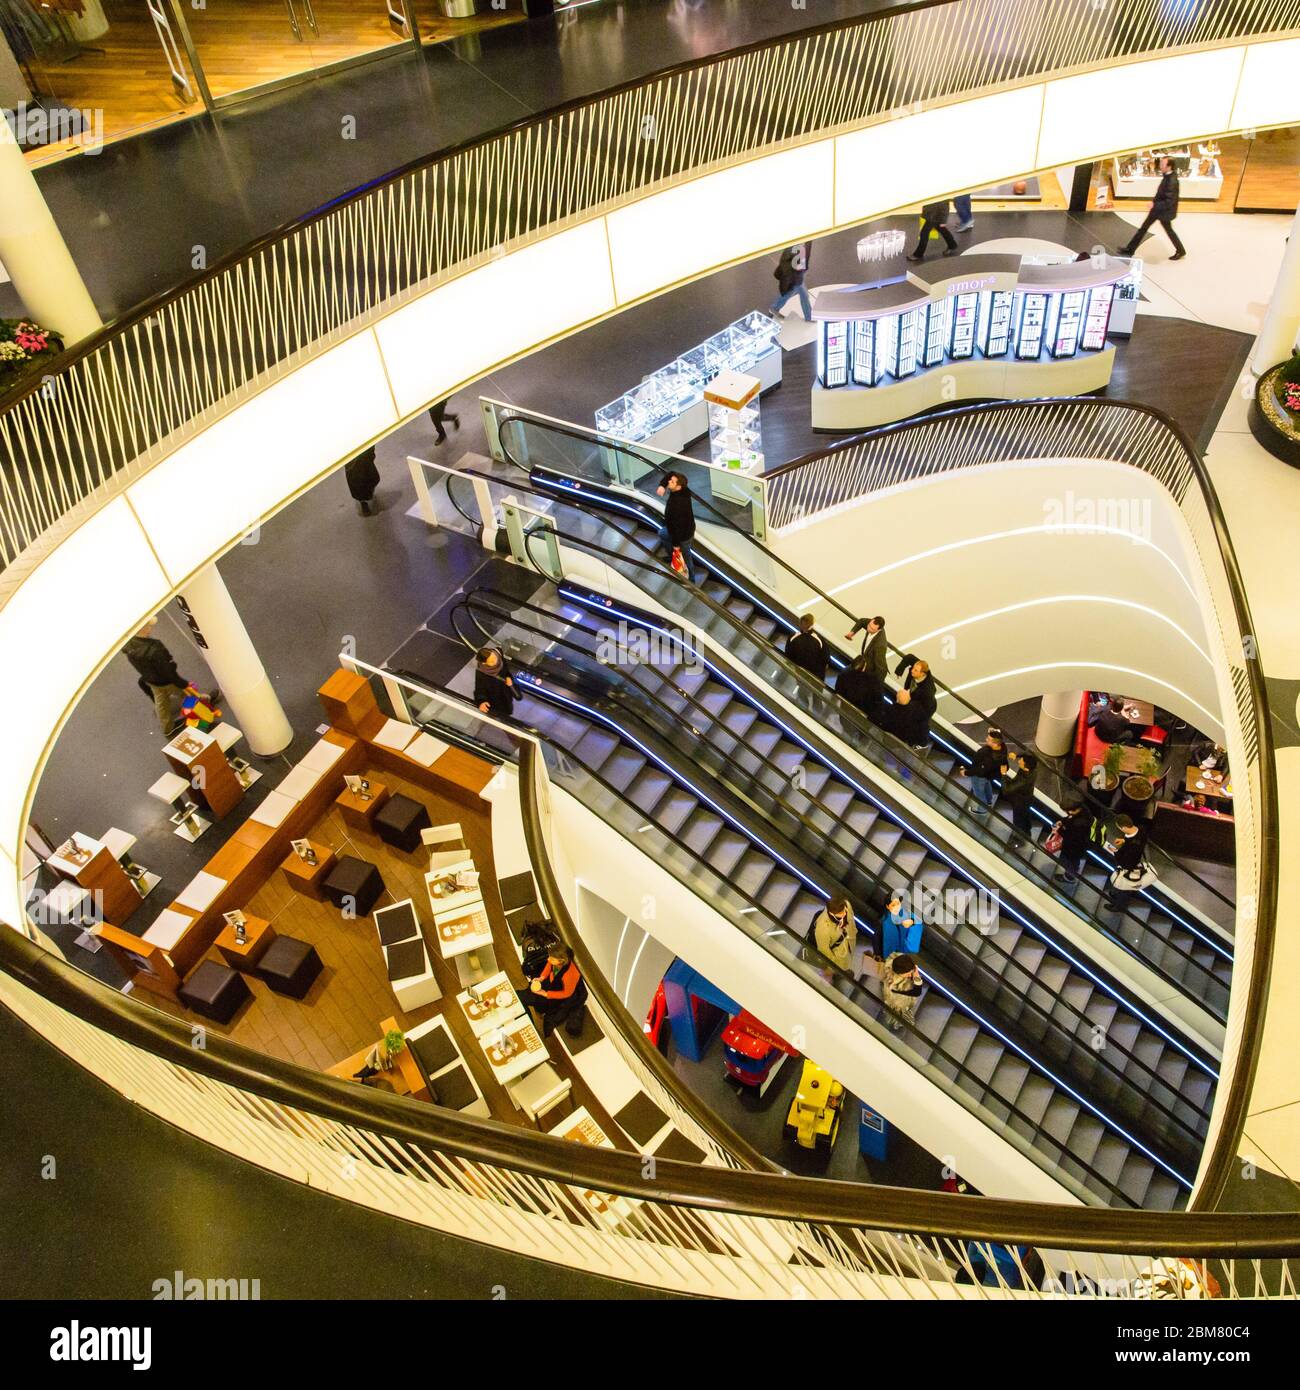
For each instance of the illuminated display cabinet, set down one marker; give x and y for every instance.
(975, 327)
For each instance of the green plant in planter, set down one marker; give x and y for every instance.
(1148, 765)
(394, 1041)
(22, 346)
(1111, 762)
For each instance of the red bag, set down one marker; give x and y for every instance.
(678, 564)
(1054, 840)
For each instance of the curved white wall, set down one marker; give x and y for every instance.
(1017, 579)
(113, 569)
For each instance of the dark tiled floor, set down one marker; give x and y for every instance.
(218, 183)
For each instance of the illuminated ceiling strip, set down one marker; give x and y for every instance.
(913, 642)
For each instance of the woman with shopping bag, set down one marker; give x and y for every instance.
(1132, 873)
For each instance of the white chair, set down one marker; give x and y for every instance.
(539, 1091)
(451, 839)
(172, 788)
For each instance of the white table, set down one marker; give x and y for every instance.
(462, 929)
(530, 1051)
(450, 902)
(500, 1005)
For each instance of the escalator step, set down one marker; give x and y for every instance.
(676, 806)
(621, 768)
(700, 829)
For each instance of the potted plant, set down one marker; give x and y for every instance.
(1110, 764)
(1274, 416)
(22, 347)
(394, 1042)
(1140, 786)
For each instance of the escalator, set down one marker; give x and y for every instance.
(1190, 954)
(1051, 1050)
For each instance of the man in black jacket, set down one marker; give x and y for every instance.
(875, 663)
(790, 271)
(678, 529)
(494, 685)
(1076, 837)
(934, 218)
(1164, 208)
(1018, 773)
(158, 677)
(807, 648)
(984, 767)
(915, 704)
(1126, 850)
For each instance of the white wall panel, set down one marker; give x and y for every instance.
(81, 602)
(1269, 93)
(471, 324)
(908, 160)
(1138, 104)
(245, 465)
(721, 218)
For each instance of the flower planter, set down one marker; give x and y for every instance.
(1273, 421)
(24, 348)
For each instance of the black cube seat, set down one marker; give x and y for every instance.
(453, 1089)
(353, 885)
(215, 991)
(289, 966)
(398, 822)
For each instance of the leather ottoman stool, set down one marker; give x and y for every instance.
(215, 991)
(289, 966)
(354, 882)
(399, 821)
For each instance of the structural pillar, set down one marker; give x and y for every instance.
(245, 687)
(34, 253)
(1057, 717)
(1277, 338)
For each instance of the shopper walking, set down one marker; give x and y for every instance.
(1018, 792)
(494, 684)
(790, 271)
(965, 217)
(807, 648)
(835, 934)
(1075, 828)
(900, 988)
(915, 703)
(1164, 208)
(1127, 850)
(158, 677)
(984, 767)
(678, 530)
(362, 474)
(934, 218)
(439, 414)
(899, 930)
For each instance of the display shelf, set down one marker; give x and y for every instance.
(1200, 175)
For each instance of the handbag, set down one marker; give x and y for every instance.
(1055, 840)
(677, 562)
(1133, 880)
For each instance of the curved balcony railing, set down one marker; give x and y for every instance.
(173, 364)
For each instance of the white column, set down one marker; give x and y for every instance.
(1056, 720)
(34, 253)
(1277, 338)
(245, 687)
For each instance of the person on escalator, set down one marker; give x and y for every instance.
(875, 659)
(678, 530)
(1127, 849)
(984, 767)
(1076, 836)
(899, 930)
(494, 685)
(901, 988)
(857, 685)
(914, 704)
(807, 648)
(835, 934)
(1018, 792)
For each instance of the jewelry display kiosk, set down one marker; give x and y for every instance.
(972, 327)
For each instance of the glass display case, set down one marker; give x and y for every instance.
(997, 324)
(1030, 322)
(886, 345)
(911, 343)
(1066, 323)
(936, 333)
(964, 319)
(1200, 174)
(864, 352)
(833, 353)
(1097, 320)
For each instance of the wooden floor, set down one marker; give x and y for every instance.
(343, 1009)
(240, 46)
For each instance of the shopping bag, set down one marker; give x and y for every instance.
(1133, 880)
(1054, 840)
(678, 563)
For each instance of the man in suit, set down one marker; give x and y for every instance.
(1164, 208)
(875, 662)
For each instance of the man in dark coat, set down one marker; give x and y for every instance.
(1164, 208)
(362, 474)
(807, 648)
(494, 685)
(157, 676)
(934, 218)
(914, 704)
(678, 530)
(875, 663)
(790, 271)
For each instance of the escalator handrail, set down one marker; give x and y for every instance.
(508, 417)
(507, 613)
